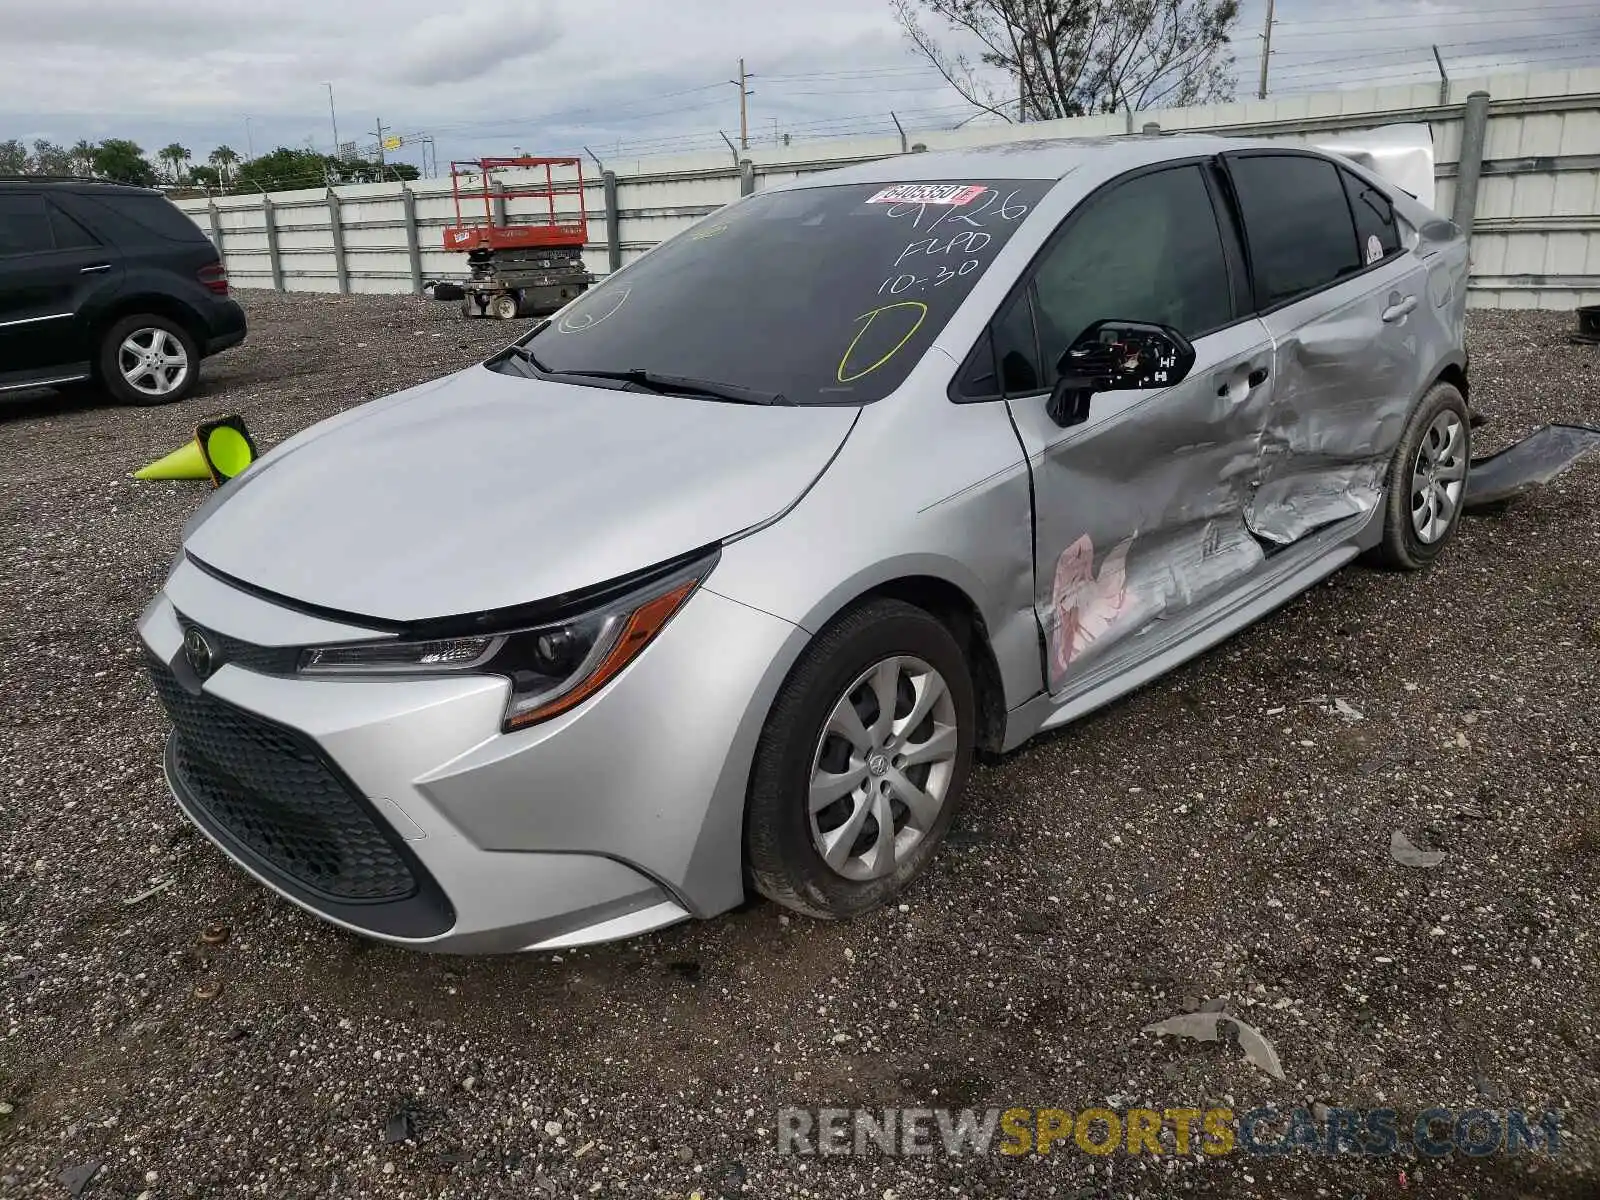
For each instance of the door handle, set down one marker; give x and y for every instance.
(98, 267)
(1395, 311)
(1258, 377)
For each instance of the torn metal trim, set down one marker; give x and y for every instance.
(1533, 462)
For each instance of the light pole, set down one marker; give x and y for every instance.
(249, 142)
(333, 118)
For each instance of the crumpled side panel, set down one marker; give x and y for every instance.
(1140, 511)
(1139, 580)
(1343, 382)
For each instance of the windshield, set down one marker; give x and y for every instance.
(825, 295)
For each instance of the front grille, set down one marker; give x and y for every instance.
(272, 792)
(265, 660)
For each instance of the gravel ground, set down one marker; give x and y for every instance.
(1216, 837)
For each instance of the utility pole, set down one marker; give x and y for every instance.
(249, 142)
(1266, 51)
(744, 113)
(333, 117)
(378, 133)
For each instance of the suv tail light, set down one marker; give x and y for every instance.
(214, 278)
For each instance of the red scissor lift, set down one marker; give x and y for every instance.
(521, 265)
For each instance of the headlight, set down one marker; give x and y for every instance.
(552, 667)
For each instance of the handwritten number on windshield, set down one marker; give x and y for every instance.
(1009, 209)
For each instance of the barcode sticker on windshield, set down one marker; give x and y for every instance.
(954, 194)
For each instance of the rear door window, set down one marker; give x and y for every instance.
(1297, 224)
(69, 235)
(1376, 228)
(24, 226)
(153, 214)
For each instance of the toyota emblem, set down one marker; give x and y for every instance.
(198, 653)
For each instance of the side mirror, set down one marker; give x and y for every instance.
(1116, 356)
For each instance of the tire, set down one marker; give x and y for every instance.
(506, 306)
(880, 639)
(1434, 463)
(163, 348)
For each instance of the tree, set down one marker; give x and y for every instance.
(284, 169)
(121, 161)
(13, 157)
(223, 159)
(49, 159)
(209, 178)
(1065, 58)
(83, 157)
(176, 155)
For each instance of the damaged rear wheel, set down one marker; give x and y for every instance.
(1427, 482)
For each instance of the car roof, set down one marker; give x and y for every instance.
(68, 183)
(1041, 158)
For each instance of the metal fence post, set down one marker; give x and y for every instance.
(336, 228)
(1474, 132)
(408, 202)
(608, 180)
(216, 229)
(274, 259)
(747, 177)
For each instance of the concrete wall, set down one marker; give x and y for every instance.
(1536, 241)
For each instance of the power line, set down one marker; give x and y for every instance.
(1428, 46)
(1333, 67)
(1437, 20)
(1421, 73)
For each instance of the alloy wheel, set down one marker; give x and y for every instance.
(1438, 477)
(882, 768)
(153, 361)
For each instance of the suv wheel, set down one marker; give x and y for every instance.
(862, 763)
(1427, 481)
(146, 359)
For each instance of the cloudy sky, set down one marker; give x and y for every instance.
(624, 77)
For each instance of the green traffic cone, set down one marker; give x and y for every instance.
(186, 462)
(220, 450)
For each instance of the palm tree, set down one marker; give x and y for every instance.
(223, 158)
(83, 156)
(176, 155)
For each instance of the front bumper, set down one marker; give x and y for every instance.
(397, 809)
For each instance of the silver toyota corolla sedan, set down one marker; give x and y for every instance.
(719, 579)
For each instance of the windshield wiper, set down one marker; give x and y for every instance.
(518, 350)
(685, 385)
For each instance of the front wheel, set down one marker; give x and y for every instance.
(862, 763)
(146, 359)
(1427, 483)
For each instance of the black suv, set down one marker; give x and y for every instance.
(110, 283)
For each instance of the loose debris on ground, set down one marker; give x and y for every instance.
(1214, 835)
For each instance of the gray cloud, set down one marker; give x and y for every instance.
(461, 46)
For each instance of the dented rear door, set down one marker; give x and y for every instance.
(1347, 305)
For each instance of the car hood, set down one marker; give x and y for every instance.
(483, 491)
